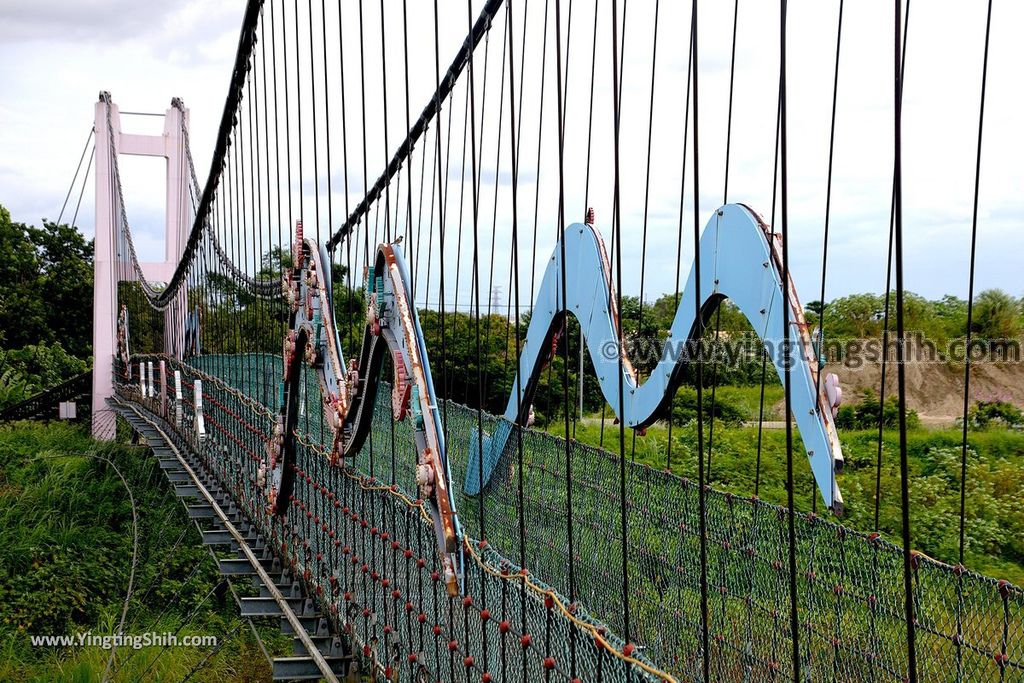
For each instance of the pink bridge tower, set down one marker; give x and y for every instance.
(178, 221)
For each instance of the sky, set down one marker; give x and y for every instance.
(55, 57)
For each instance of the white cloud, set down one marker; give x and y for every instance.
(54, 60)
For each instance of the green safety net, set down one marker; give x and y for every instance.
(850, 585)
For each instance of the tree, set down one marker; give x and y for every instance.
(996, 316)
(22, 314)
(857, 315)
(45, 286)
(66, 270)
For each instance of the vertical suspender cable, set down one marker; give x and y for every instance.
(366, 175)
(791, 512)
(476, 280)
(617, 224)
(701, 492)
(298, 111)
(384, 97)
(970, 284)
(888, 291)
(413, 263)
(540, 138)
(565, 340)
(828, 216)
(901, 380)
(725, 200)
(441, 196)
(682, 201)
(513, 151)
(764, 352)
(312, 95)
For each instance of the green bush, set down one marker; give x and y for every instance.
(865, 413)
(42, 365)
(14, 388)
(986, 414)
(684, 407)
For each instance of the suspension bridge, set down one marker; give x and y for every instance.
(277, 362)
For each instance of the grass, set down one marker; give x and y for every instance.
(66, 537)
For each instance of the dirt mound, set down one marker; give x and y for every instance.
(935, 389)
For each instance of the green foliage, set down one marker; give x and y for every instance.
(994, 523)
(14, 388)
(684, 407)
(996, 315)
(42, 365)
(46, 281)
(865, 413)
(986, 414)
(66, 539)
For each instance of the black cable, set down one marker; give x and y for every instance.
(682, 201)
(794, 623)
(476, 282)
(570, 551)
(384, 97)
(901, 379)
(701, 490)
(970, 285)
(886, 307)
(764, 352)
(586, 187)
(617, 225)
(350, 294)
(494, 214)
(441, 196)
(298, 119)
(408, 129)
(725, 200)
(824, 246)
(462, 206)
(442, 91)
(513, 152)
(540, 137)
(366, 173)
(647, 182)
(316, 148)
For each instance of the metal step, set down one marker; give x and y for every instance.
(314, 625)
(267, 607)
(200, 511)
(218, 537)
(241, 567)
(186, 491)
(301, 666)
(287, 588)
(328, 646)
(304, 669)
